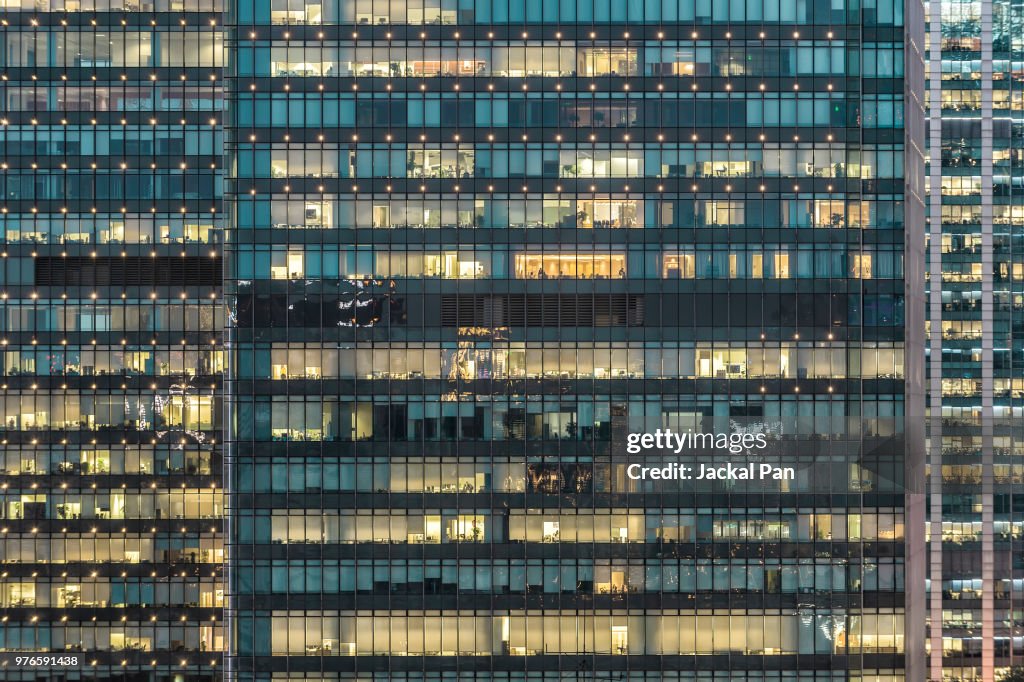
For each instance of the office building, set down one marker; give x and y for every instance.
(472, 246)
(976, 338)
(112, 359)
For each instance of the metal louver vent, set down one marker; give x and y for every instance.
(542, 310)
(128, 271)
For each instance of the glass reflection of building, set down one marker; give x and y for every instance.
(474, 244)
(976, 341)
(110, 350)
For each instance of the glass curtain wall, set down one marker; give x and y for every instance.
(111, 356)
(474, 244)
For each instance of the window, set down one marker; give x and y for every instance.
(725, 169)
(451, 266)
(602, 61)
(605, 213)
(724, 212)
(679, 266)
(601, 163)
(440, 163)
(296, 12)
(466, 528)
(781, 265)
(829, 213)
(860, 265)
(573, 266)
(287, 265)
(722, 364)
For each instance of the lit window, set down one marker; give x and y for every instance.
(573, 266)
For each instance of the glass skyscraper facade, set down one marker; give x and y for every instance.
(110, 346)
(976, 337)
(472, 246)
(469, 248)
